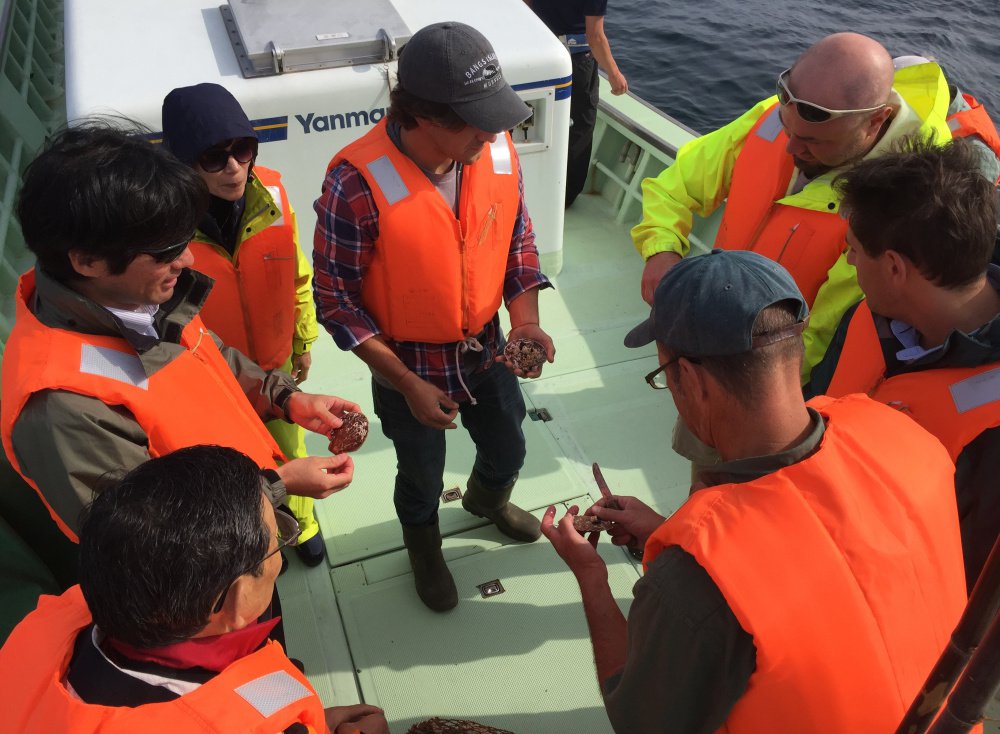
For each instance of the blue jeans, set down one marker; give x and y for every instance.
(494, 424)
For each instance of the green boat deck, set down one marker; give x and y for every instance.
(519, 660)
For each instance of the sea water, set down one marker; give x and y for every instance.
(707, 62)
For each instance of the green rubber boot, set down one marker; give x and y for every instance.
(494, 504)
(435, 586)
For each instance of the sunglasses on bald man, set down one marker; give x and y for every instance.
(809, 111)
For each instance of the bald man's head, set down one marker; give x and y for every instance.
(844, 71)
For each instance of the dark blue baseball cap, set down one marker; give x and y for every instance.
(706, 306)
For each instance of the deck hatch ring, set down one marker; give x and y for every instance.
(491, 588)
(451, 495)
(540, 414)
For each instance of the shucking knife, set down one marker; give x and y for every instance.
(634, 550)
(601, 483)
(603, 486)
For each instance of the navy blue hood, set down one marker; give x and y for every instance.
(196, 118)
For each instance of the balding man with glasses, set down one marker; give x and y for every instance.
(840, 102)
(812, 580)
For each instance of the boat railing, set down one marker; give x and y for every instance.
(633, 140)
(31, 105)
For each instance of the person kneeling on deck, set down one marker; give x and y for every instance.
(926, 339)
(167, 630)
(248, 243)
(108, 363)
(818, 578)
(840, 102)
(421, 231)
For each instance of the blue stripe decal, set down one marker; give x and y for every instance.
(269, 130)
(564, 86)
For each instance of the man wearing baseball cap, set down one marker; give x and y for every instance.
(421, 233)
(816, 580)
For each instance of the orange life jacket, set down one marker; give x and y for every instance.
(976, 122)
(194, 399)
(806, 242)
(846, 569)
(252, 304)
(435, 278)
(261, 693)
(956, 404)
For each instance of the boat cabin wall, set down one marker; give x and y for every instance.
(123, 58)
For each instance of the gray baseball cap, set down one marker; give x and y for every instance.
(453, 63)
(706, 306)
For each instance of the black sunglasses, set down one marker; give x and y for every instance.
(288, 532)
(216, 158)
(810, 111)
(169, 253)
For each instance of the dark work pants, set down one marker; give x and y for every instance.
(494, 424)
(583, 113)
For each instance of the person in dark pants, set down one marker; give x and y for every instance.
(421, 233)
(579, 24)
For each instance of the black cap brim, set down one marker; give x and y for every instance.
(499, 112)
(641, 335)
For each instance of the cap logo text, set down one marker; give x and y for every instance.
(484, 73)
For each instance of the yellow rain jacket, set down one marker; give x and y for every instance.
(702, 176)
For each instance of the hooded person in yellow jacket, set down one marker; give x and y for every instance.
(248, 242)
(840, 102)
(169, 628)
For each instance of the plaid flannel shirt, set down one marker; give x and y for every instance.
(343, 248)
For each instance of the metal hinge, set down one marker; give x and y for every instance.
(491, 588)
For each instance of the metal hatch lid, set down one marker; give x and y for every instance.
(272, 37)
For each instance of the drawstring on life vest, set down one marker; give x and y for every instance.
(469, 344)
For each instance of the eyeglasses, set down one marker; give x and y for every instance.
(288, 534)
(657, 379)
(216, 158)
(169, 253)
(810, 111)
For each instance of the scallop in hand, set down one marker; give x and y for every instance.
(351, 434)
(525, 354)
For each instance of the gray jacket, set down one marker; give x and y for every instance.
(67, 443)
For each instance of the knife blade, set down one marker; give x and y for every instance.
(601, 484)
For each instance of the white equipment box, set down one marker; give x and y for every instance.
(313, 76)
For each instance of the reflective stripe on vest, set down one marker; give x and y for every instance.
(273, 692)
(956, 404)
(387, 178)
(114, 365)
(251, 306)
(435, 278)
(846, 569)
(261, 693)
(193, 399)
